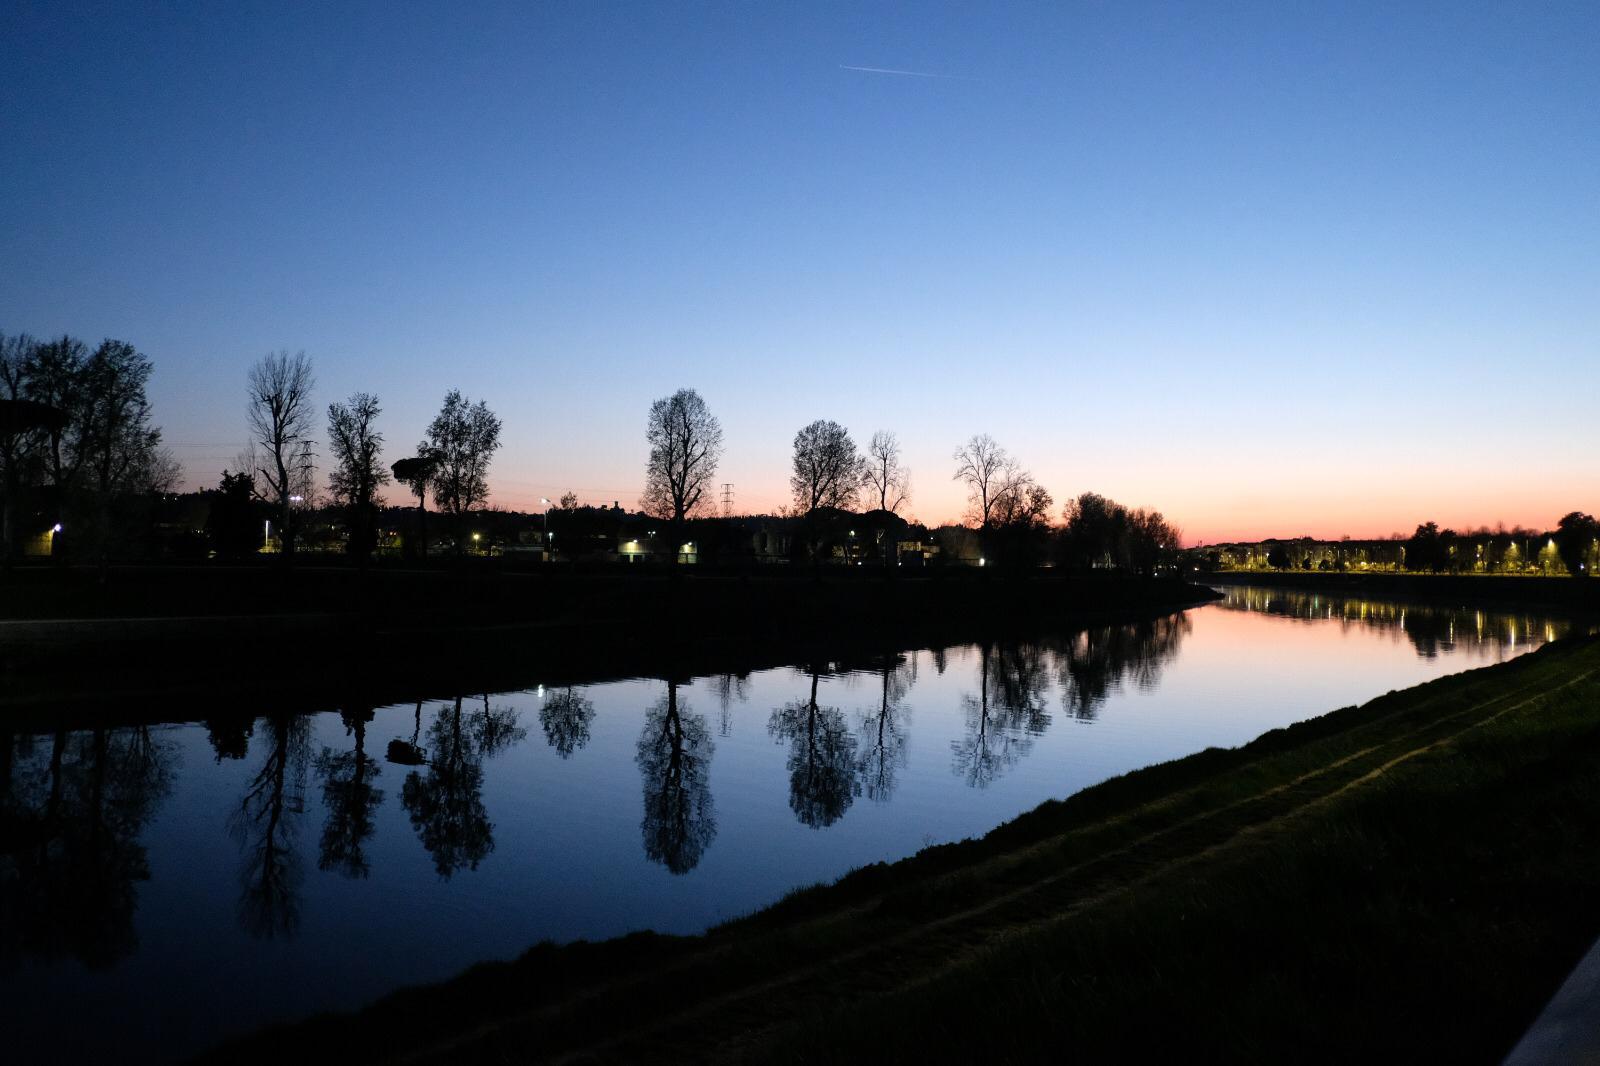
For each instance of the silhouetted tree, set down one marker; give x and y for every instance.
(887, 478)
(1278, 557)
(55, 378)
(674, 759)
(565, 718)
(233, 524)
(827, 470)
(984, 467)
(280, 415)
(685, 446)
(1577, 537)
(1429, 548)
(446, 804)
(351, 799)
(417, 474)
(357, 475)
(822, 759)
(25, 425)
(462, 439)
(121, 449)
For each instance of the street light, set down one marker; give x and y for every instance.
(548, 554)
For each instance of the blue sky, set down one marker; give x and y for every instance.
(1272, 268)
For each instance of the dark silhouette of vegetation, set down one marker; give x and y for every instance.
(357, 475)
(233, 523)
(685, 447)
(416, 473)
(674, 759)
(1101, 533)
(76, 441)
(280, 454)
(1577, 539)
(462, 439)
(983, 466)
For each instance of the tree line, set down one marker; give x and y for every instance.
(831, 479)
(77, 445)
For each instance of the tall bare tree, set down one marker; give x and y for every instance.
(462, 439)
(984, 466)
(828, 470)
(685, 446)
(281, 416)
(887, 479)
(357, 475)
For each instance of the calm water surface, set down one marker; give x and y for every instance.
(180, 883)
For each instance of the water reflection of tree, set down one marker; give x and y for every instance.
(1006, 715)
(565, 718)
(71, 813)
(265, 824)
(1432, 629)
(822, 759)
(494, 729)
(674, 759)
(882, 750)
(730, 689)
(351, 799)
(446, 802)
(1097, 660)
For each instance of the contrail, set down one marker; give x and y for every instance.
(902, 73)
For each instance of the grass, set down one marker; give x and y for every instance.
(1406, 880)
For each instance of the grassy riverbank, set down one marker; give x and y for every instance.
(1406, 880)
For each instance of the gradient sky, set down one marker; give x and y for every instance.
(1272, 268)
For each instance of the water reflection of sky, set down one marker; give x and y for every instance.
(181, 882)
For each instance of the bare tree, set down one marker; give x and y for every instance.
(462, 439)
(984, 466)
(357, 474)
(685, 445)
(281, 416)
(888, 480)
(827, 469)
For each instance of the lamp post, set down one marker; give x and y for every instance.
(549, 556)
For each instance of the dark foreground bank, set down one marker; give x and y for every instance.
(269, 634)
(1407, 880)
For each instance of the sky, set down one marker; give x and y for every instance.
(1272, 269)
